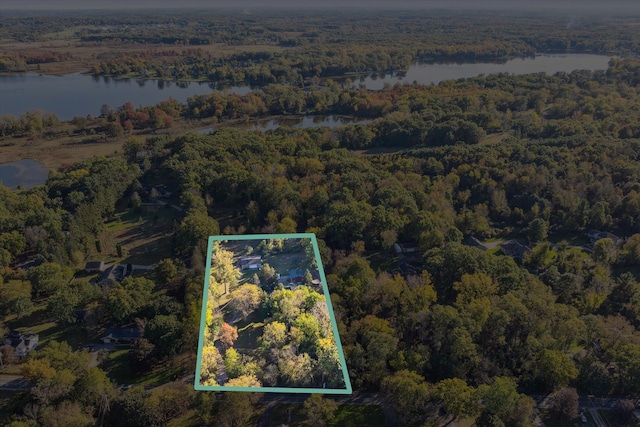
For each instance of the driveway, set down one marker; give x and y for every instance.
(93, 359)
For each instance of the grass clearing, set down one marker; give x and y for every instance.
(577, 239)
(249, 330)
(283, 263)
(161, 374)
(117, 367)
(359, 416)
(145, 236)
(39, 322)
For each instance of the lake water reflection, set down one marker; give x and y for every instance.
(331, 121)
(438, 72)
(26, 173)
(79, 94)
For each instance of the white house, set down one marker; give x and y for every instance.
(23, 344)
(250, 263)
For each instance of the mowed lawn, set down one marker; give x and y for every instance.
(119, 370)
(145, 236)
(249, 330)
(39, 322)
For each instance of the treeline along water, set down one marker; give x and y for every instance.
(78, 94)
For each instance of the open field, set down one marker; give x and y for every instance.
(118, 369)
(66, 148)
(145, 239)
(57, 152)
(39, 322)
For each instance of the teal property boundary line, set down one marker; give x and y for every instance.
(325, 289)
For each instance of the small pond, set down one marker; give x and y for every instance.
(26, 173)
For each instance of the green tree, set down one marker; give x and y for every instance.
(628, 360)
(13, 242)
(503, 403)
(308, 278)
(296, 370)
(409, 394)
(166, 270)
(235, 410)
(15, 298)
(168, 403)
(209, 366)
(131, 147)
(375, 342)
(246, 380)
(140, 355)
(458, 399)
(129, 409)
(555, 369)
(233, 363)
(47, 278)
(246, 299)
(194, 229)
(318, 411)
(165, 333)
(94, 389)
(274, 335)
(62, 305)
(537, 230)
(311, 330)
(268, 277)
(328, 364)
(605, 251)
(223, 269)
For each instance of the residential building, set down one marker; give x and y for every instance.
(121, 335)
(250, 263)
(23, 344)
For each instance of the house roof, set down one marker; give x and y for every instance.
(296, 273)
(94, 264)
(250, 259)
(515, 248)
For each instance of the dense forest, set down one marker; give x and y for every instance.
(462, 326)
(269, 48)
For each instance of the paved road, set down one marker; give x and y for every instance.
(13, 383)
(272, 400)
(597, 418)
(584, 403)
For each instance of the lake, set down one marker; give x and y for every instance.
(26, 173)
(79, 94)
(436, 73)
